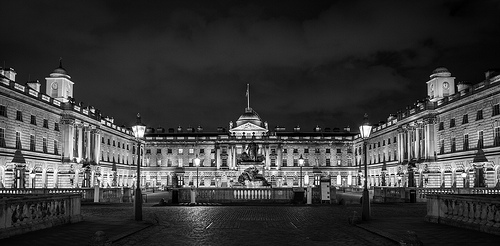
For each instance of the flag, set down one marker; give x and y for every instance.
(247, 91)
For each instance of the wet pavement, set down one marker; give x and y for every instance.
(252, 225)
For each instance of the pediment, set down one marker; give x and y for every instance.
(248, 127)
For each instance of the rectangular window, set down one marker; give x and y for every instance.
(32, 142)
(109, 141)
(441, 147)
(284, 151)
(102, 140)
(452, 123)
(378, 145)
(202, 151)
(480, 141)
(395, 139)
(496, 142)
(56, 126)
(479, 115)
(283, 162)
(441, 126)
(18, 141)
(306, 151)
(316, 150)
(3, 111)
(169, 151)
(148, 151)
(33, 120)
(295, 151)
(383, 143)
(118, 144)
(2, 137)
(453, 145)
(19, 115)
(44, 143)
(328, 162)
(45, 123)
(180, 151)
(114, 143)
(466, 142)
(56, 148)
(327, 151)
(389, 141)
(128, 147)
(191, 151)
(339, 151)
(496, 110)
(273, 162)
(295, 162)
(158, 151)
(465, 119)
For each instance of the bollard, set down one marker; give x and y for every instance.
(100, 239)
(193, 196)
(309, 195)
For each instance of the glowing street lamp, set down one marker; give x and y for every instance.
(365, 131)
(138, 130)
(197, 164)
(301, 163)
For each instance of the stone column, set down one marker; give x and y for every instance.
(417, 142)
(67, 135)
(97, 146)
(80, 141)
(217, 157)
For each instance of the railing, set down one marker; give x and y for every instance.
(238, 195)
(34, 212)
(477, 212)
(247, 195)
(117, 195)
(402, 194)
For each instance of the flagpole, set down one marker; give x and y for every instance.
(248, 96)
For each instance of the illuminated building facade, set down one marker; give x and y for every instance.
(49, 140)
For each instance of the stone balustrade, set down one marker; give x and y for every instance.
(402, 194)
(117, 195)
(23, 213)
(478, 212)
(236, 195)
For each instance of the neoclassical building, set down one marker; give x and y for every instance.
(449, 139)
(50, 140)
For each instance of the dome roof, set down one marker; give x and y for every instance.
(60, 70)
(440, 72)
(249, 116)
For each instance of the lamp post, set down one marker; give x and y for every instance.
(301, 163)
(365, 131)
(197, 164)
(139, 130)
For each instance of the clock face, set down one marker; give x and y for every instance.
(54, 86)
(446, 85)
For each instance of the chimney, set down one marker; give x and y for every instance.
(9, 73)
(35, 85)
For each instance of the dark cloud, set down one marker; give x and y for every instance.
(188, 63)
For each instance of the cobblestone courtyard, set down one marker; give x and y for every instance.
(246, 225)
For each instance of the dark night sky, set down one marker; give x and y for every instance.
(308, 63)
